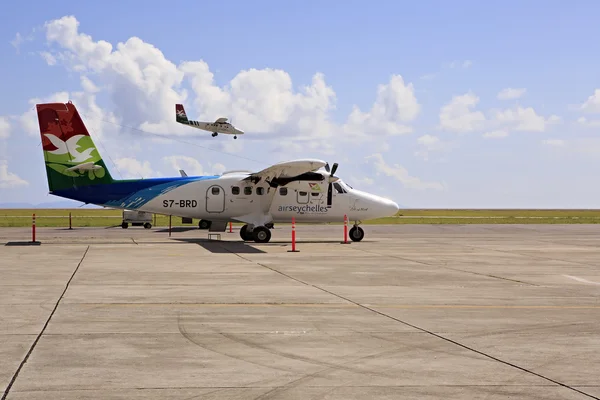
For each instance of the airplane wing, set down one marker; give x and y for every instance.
(287, 169)
(220, 120)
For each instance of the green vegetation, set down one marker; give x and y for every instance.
(82, 217)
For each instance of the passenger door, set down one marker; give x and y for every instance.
(215, 199)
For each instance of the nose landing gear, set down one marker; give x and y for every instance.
(356, 233)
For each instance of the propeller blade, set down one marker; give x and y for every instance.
(327, 167)
(334, 168)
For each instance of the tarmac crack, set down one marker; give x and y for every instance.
(35, 342)
(449, 268)
(444, 338)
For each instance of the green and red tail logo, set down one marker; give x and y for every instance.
(70, 154)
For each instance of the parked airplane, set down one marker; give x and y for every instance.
(306, 189)
(219, 126)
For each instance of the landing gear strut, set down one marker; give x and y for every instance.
(259, 234)
(356, 233)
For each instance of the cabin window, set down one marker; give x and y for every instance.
(302, 197)
(235, 190)
(283, 191)
(248, 190)
(260, 191)
(215, 190)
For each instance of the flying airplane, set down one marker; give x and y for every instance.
(219, 126)
(306, 189)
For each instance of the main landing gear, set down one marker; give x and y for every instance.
(356, 233)
(259, 234)
(215, 134)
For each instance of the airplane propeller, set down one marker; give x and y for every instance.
(332, 178)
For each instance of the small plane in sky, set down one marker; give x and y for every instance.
(306, 189)
(219, 126)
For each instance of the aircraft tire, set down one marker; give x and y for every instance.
(356, 233)
(147, 225)
(245, 235)
(204, 224)
(261, 234)
(124, 225)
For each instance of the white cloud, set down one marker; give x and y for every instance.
(49, 58)
(400, 173)
(145, 86)
(553, 142)
(431, 144)
(394, 106)
(4, 128)
(98, 121)
(511, 93)
(592, 104)
(8, 179)
(189, 164)
(460, 64)
(587, 123)
(133, 168)
(495, 134)
(523, 119)
(20, 39)
(457, 116)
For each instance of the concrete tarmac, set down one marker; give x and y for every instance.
(411, 312)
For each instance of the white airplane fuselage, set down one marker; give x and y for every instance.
(225, 128)
(228, 198)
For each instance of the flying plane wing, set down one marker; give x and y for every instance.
(220, 120)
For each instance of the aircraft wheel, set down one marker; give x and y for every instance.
(147, 225)
(214, 134)
(245, 234)
(203, 224)
(356, 233)
(235, 137)
(261, 234)
(124, 225)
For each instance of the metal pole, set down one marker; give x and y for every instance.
(169, 226)
(33, 228)
(70, 222)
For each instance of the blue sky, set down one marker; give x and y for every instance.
(431, 130)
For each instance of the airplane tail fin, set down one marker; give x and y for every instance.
(180, 115)
(72, 159)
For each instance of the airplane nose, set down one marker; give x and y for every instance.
(391, 207)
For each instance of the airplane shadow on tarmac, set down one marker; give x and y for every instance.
(218, 246)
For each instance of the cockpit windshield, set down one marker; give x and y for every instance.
(341, 187)
(345, 185)
(338, 187)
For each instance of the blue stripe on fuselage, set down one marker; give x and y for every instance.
(130, 194)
